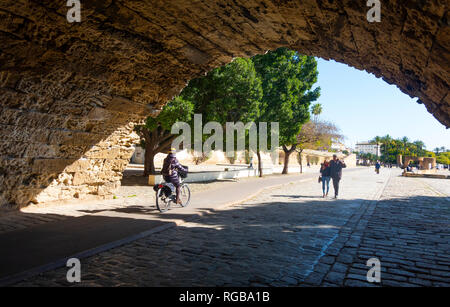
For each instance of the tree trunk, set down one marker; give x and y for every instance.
(156, 141)
(300, 161)
(287, 153)
(260, 171)
(286, 162)
(149, 163)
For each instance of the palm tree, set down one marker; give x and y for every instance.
(405, 141)
(376, 140)
(387, 138)
(436, 150)
(419, 146)
(443, 149)
(316, 111)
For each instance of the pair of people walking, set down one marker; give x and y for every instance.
(331, 171)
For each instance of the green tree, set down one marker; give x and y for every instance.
(430, 154)
(287, 80)
(227, 94)
(376, 140)
(155, 133)
(419, 148)
(443, 158)
(391, 148)
(316, 110)
(405, 142)
(230, 93)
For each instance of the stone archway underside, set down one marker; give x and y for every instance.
(70, 93)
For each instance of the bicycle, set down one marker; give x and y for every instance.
(166, 194)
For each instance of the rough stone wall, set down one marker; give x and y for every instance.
(70, 93)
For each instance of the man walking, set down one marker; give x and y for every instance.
(377, 167)
(336, 167)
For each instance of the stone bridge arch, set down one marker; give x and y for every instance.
(71, 92)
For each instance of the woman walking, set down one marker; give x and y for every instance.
(326, 177)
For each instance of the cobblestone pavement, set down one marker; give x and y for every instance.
(290, 236)
(134, 192)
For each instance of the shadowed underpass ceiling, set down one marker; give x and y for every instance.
(71, 92)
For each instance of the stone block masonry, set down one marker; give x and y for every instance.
(70, 93)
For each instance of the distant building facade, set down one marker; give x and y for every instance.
(367, 148)
(338, 146)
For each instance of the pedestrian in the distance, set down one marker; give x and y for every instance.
(325, 172)
(336, 167)
(377, 167)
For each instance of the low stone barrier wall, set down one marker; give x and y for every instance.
(436, 176)
(232, 174)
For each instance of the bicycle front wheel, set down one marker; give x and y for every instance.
(185, 195)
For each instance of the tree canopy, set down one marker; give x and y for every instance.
(316, 135)
(316, 110)
(275, 87)
(443, 158)
(229, 93)
(155, 132)
(287, 81)
(391, 148)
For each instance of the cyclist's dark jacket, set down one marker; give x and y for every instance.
(171, 162)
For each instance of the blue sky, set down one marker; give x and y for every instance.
(363, 106)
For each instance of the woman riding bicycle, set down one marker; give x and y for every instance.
(170, 170)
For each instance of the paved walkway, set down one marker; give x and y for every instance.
(288, 236)
(134, 195)
(49, 235)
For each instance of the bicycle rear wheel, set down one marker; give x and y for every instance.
(162, 201)
(185, 195)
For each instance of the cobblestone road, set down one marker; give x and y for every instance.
(133, 193)
(290, 236)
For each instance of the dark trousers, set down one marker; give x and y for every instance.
(336, 185)
(176, 182)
